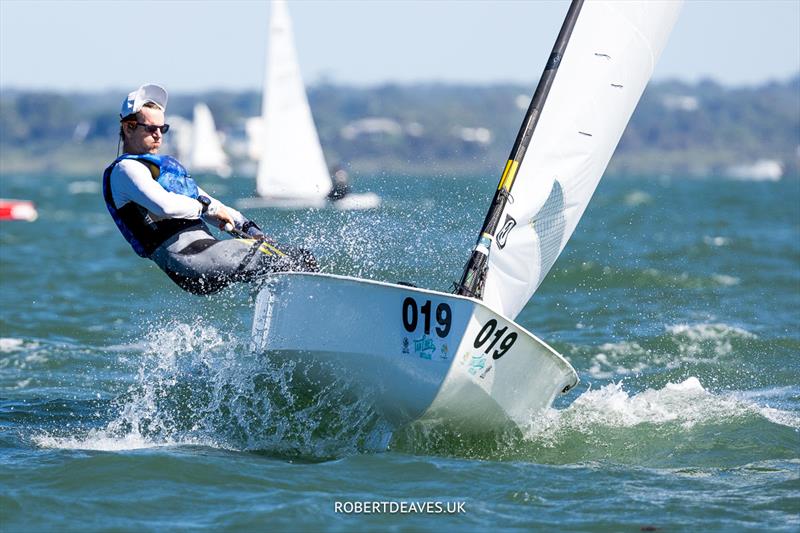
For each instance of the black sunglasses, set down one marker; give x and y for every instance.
(151, 128)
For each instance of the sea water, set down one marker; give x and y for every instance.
(128, 405)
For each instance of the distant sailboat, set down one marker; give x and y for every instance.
(292, 172)
(761, 170)
(206, 153)
(198, 144)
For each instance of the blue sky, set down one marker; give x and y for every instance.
(194, 45)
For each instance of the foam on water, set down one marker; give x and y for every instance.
(677, 425)
(613, 358)
(715, 338)
(21, 354)
(709, 331)
(637, 198)
(674, 410)
(681, 344)
(725, 280)
(716, 240)
(198, 385)
(10, 345)
(101, 441)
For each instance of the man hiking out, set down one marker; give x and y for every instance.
(162, 213)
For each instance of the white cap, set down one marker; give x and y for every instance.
(148, 92)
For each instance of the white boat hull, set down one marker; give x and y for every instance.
(275, 202)
(357, 201)
(422, 354)
(351, 202)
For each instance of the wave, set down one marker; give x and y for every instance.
(22, 354)
(619, 359)
(681, 424)
(201, 385)
(678, 345)
(707, 338)
(10, 344)
(607, 277)
(198, 385)
(679, 405)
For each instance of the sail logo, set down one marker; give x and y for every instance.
(505, 230)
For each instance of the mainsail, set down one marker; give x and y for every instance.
(292, 164)
(608, 61)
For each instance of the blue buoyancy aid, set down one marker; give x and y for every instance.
(134, 221)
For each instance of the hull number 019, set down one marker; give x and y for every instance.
(412, 312)
(490, 331)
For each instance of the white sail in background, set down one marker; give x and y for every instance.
(606, 66)
(206, 153)
(292, 164)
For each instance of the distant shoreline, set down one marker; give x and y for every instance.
(679, 128)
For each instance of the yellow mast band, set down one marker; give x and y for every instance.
(509, 173)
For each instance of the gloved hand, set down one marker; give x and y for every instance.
(252, 230)
(257, 234)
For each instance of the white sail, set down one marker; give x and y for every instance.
(606, 66)
(206, 153)
(292, 164)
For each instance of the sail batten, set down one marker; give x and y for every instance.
(606, 65)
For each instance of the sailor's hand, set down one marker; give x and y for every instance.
(214, 212)
(253, 231)
(221, 218)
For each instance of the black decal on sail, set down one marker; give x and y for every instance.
(505, 230)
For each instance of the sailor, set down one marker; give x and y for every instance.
(162, 213)
(341, 184)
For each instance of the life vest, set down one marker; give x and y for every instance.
(134, 221)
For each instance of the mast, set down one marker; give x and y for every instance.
(474, 276)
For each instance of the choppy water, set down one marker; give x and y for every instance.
(127, 405)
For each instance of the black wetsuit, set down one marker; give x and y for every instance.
(202, 264)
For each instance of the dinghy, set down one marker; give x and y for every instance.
(460, 358)
(292, 172)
